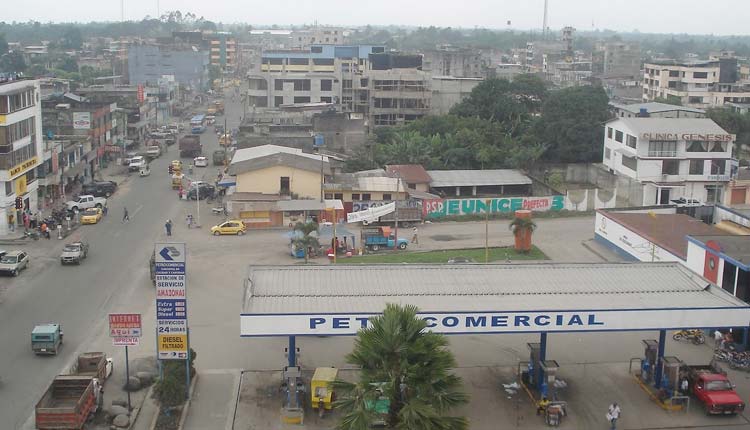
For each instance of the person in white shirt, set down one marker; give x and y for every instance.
(613, 414)
(718, 338)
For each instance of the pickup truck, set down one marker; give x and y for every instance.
(376, 238)
(86, 201)
(68, 402)
(710, 385)
(74, 253)
(190, 146)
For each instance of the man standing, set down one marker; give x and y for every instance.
(168, 227)
(613, 414)
(125, 215)
(415, 236)
(718, 337)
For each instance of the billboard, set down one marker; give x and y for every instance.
(82, 120)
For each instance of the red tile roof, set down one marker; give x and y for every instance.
(411, 173)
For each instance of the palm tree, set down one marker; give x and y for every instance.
(406, 380)
(522, 229)
(306, 240)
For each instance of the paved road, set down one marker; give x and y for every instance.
(113, 278)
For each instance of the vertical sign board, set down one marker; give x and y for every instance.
(171, 301)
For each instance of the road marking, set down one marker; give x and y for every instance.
(135, 212)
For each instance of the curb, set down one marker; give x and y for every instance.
(593, 251)
(137, 410)
(184, 413)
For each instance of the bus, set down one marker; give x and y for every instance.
(198, 124)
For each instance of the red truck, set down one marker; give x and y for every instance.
(68, 403)
(710, 385)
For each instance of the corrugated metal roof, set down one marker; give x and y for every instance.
(245, 154)
(411, 173)
(468, 178)
(655, 107)
(508, 287)
(672, 125)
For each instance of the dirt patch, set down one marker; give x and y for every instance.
(449, 237)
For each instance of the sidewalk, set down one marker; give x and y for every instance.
(214, 400)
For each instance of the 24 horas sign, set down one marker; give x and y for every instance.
(438, 208)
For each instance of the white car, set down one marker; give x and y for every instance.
(153, 151)
(200, 162)
(136, 163)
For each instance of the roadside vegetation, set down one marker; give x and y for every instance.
(497, 254)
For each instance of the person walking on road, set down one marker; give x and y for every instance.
(125, 215)
(168, 227)
(613, 414)
(189, 221)
(718, 337)
(415, 236)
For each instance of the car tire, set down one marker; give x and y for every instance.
(74, 208)
(107, 194)
(14, 272)
(98, 205)
(240, 233)
(402, 246)
(375, 247)
(216, 233)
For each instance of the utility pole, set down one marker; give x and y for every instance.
(398, 189)
(487, 232)
(544, 21)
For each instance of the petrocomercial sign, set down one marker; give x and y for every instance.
(258, 325)
(171, 301)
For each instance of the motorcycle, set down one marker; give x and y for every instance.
(33, 234)
(694, 335)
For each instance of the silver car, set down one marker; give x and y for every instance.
(13, 262)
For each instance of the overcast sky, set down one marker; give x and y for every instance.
(722, 17)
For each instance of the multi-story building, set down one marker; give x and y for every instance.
(699, 84)
(307, 37)
(386, 88)
(20, 148)
(655, 110)
(616, 60)
(456, 62)
(147, 63)
(223, 49)
(671, 158)
(132, 101)
(448, 91)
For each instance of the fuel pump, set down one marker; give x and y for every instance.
(533, 369)
(292, 389)
(671, 375)
(649, 360)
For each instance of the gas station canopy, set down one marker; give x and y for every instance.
(473, 299)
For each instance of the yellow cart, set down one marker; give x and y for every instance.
(321, 389)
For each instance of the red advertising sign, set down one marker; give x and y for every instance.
(125, 325)
(141, 97)
(126, 341)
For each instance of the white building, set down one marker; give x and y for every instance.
(20, 147)
(699, 84)
(670, 157)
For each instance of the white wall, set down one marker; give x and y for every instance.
(696, 256)
(630, 242)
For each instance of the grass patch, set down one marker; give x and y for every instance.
(509, 216)
(442, 256)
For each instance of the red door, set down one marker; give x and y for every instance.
(711, 262)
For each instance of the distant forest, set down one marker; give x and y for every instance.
(402, 38)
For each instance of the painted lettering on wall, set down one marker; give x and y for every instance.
(437, 208)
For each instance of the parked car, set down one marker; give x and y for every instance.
(91, 216)
(74, 252)
(229, 227)
(100, 188)
(683, 202)
(201, 191)
(200, 161)
(13, 262)
(136, 163)
(153, 151)
(86, 201)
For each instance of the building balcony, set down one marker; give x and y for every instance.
(662, 154)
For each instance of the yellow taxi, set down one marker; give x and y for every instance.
(232, 226)
(177, 165)
(91, 216)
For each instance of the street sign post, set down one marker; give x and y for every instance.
(125, 330)
(172, 340)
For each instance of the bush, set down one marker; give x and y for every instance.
(171, 389)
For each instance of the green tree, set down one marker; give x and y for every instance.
(571, 124)
(12, 62)
(3, 44)
(72, 38)
(171, 389)
(405, 367)
(306, 241)
(69, 64)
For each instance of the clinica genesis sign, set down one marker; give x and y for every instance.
(499, 322)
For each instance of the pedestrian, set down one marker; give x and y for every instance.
(684, 385)
(718, 338)
(26, 221)
(613, 414)
(415, 235)
(189, 221)
(12, 222)
(168, 227)
(32, 221)
(45, 230)
(125, 215)
(105, 210)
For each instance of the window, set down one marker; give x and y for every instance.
(347, 84)
(670, 167)
(355, 196)
(672, 84)
(696, 167)
(630, 162)
(274, 61)
(338, 196)
(299, 61)
(278, 84)
(697, 146)
(658, 148)
(618, 136)
(717, 167)
(366, 197)
(387, 197)
(326, 100)
(328, 196)
(363, 82)
(323, 61)
(315, 50)
(631, 141)
(284, 185)
(326, 85)
(278, 101)
(674, 73)
(305, 99)
(700, 75)
(301, 84)
(607, 153)
(718, 147)
(412, 186)
(609, 132)
(8, 188)
(694, 99)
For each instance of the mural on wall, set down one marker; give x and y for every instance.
(366, 204)
(437, 208)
